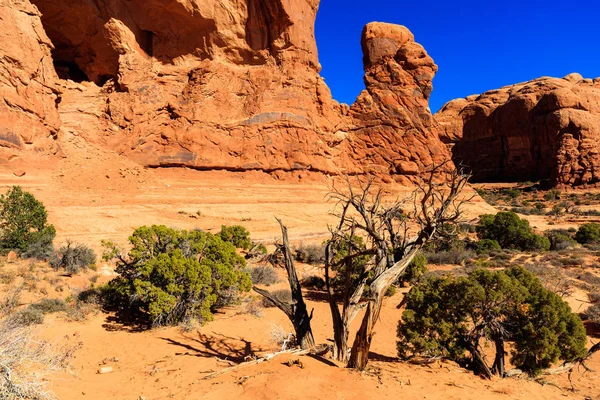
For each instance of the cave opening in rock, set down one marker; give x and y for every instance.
(146, 42)
(69, 70)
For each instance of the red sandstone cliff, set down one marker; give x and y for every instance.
(210, 84)
(545, 129)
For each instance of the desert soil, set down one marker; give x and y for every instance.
(92, 195)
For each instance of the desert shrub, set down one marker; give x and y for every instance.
(348, 270)
(527, 210)
(456, 256)
(73, 258)
(588, 213)
(236, 235)
(10, 300)
(23, 220)
(170, 275)
(588, 233)
(466, 227)
(390, 291)
(49, 306)
(42, 248)
(486, 245)
(256, 250)
(96, 296)
(510, 231)
(572, 261)
(253, 307)
(26, 362)
(552, 278)
(552, 195)
(448, 316)
(594, 297)
(511, 193)
(560, 240)
(314, 282)
(593, 314)
(264, 275)
(310, 254)
(27, 316)
(283, 295)
(415, 270)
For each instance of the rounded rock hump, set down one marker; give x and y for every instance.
(381, 40)
(547, 129)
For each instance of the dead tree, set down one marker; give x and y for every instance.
(394, 234)
(296, 309)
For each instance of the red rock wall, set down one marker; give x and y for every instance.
(547, 129)
(29, 117)
(234, 84)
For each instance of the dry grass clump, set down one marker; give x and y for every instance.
(454, 256)
(552, 278)
(25, 362)
(252, 307)
(11, 300)
(282, 295)
(310, 254)
(264, 275)
(593, 314)
(280, 337)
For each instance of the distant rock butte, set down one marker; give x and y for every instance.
(545, 129)
(210, 84)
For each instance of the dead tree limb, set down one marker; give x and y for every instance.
(295, 310)
(318, 351)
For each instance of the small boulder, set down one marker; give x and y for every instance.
(105, 370)
(11, 257)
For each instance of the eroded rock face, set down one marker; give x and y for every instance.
(28, 113)
(545, 129)
(235, 85)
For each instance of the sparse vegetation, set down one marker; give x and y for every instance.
(26, 362)
(264, 275)
(49, 306)
(27, 316)
(560, 240)
(454, 256)
(170, 275)
(593, 314)
(283, 295)
(310, 254)
(73, 258)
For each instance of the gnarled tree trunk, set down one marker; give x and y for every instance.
(359, 355)
(498, 366)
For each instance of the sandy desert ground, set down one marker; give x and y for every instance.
(92, 194)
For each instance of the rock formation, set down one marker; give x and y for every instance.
(29, 118)
(546, 129)
(215, 84)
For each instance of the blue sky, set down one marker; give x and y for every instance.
(478, 45)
